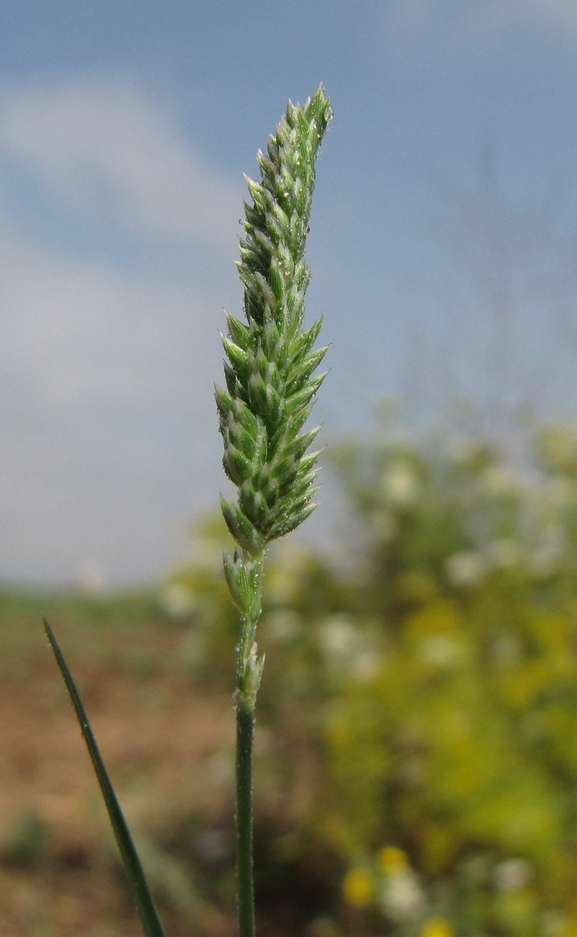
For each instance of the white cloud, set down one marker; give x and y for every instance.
(104, 149)
(452, 25)
(83, 333)
(108, 424)
(106, 415)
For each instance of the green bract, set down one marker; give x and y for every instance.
(271, 361)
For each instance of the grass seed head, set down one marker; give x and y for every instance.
(271, 361)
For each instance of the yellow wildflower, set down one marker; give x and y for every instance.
(358, 888)
(437, 927)
(392, 860)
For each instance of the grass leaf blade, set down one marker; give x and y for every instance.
(143, 898)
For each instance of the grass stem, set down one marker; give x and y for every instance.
(244, 861)
(269, 396)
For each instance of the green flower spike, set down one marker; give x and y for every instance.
(270, 387)
(270, 390)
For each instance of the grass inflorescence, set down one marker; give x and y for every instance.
(270, 389)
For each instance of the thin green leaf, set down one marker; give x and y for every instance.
(143, 899)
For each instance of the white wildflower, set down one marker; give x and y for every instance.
(512, 874)
(339, 639)
(400, 485)
(402, 898)
(465, 568)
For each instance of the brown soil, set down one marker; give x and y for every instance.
(164, 746)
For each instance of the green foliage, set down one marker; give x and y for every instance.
(425, 697)
(143, 900)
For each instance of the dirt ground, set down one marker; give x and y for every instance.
(169, 752)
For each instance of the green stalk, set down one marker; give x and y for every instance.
(244, 871)
(136, 877)
(248, 677)
(270, 391)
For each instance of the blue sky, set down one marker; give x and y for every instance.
(442, 240)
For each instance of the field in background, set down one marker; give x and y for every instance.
(168, 748)
(416, 747)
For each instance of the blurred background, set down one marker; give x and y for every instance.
(417, 732)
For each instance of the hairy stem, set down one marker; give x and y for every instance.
(248, 679)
